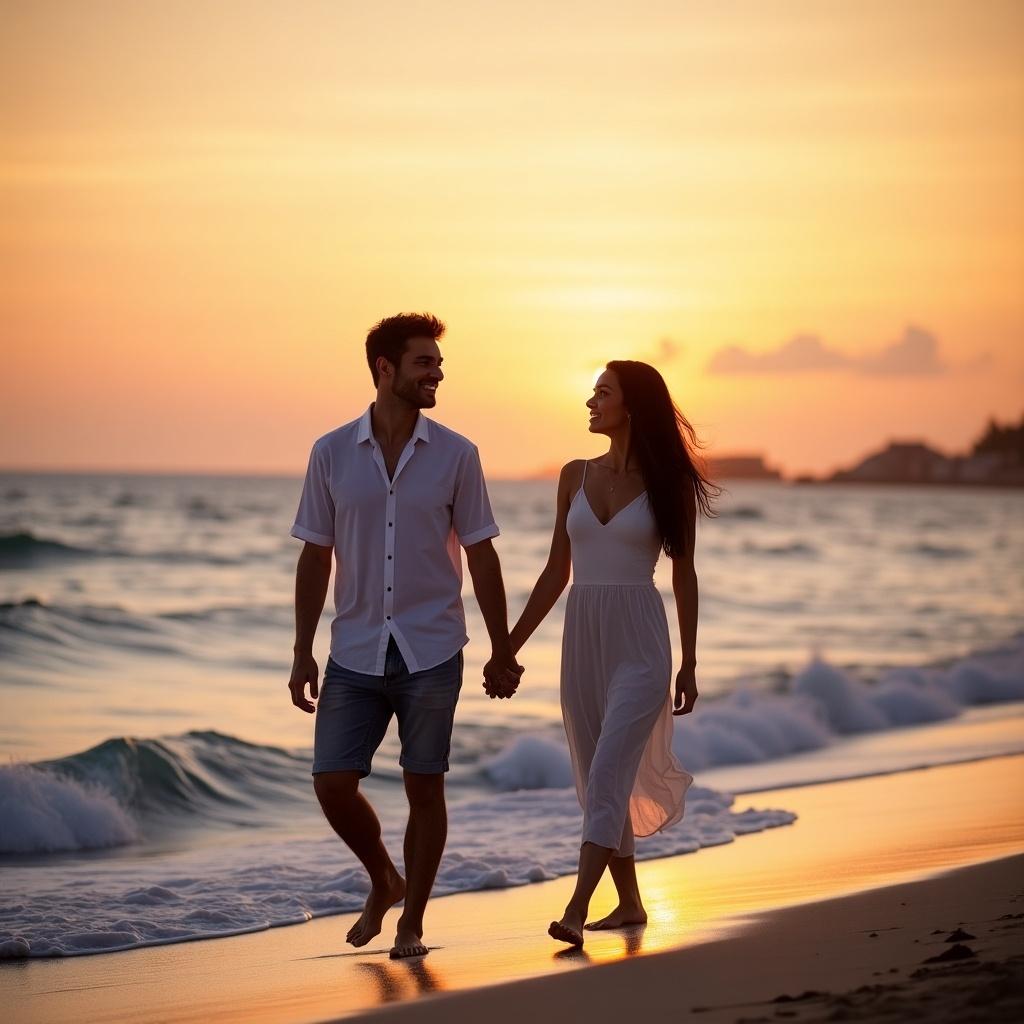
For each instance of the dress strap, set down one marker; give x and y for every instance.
(583, 480)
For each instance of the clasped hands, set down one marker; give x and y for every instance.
(501, 676)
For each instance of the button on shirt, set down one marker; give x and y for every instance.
(396, 541)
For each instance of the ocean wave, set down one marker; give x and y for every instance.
(938, 551)
(200, 508)
(209, 778)
(530, 762)
(192, 772)
(749, 512)
(23, 549)
(31, 628)
(42, 812)
(797, 548)
(32, 631)
(817, 708)
(108, 795)
(247, 616)
(501, 841)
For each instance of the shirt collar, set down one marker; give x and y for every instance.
(421, 432)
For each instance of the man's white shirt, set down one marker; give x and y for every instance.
(396, 542)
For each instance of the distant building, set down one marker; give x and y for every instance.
(741, 467)
(913, 462)
(901, 462)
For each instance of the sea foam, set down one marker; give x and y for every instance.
(42, 812)
(820, 706)
(501, 841)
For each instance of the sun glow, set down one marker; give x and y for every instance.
(197, 234)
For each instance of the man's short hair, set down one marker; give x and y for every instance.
(390, 336)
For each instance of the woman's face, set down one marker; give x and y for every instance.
(607, 410)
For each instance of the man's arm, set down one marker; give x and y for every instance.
(312, 576)
(485, 569)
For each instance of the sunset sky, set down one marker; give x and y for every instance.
(809, 215)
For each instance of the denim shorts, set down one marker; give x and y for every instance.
(353, 712)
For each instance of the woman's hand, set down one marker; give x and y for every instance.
(501, 676)
(686, 691)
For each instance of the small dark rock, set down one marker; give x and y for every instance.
(811, 993)
(959, 936)
(957, 952)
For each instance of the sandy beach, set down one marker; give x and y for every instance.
(731, 928)
(945, 948)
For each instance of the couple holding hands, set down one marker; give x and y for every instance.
(394, 496)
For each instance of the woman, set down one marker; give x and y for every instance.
(615, 515)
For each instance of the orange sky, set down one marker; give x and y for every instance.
(205, 206)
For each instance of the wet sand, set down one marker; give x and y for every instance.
(851, 837)
(949, 948)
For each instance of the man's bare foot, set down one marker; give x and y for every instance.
(620, 917)
(378, 903)
(408, 942)
(569, 929)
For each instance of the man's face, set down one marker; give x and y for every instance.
(418, 373)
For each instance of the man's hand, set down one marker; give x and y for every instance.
(304, 670)
(686, 691)
(501, 676)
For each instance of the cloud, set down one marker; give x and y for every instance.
(668, 351)
(803, 352)
(915, 354)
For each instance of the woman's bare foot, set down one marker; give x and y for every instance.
(620, 917)
(408, 942)
(569, 929)
(378, 903)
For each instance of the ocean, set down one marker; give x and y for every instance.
(155, 785)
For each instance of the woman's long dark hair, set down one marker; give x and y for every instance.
(667, 448)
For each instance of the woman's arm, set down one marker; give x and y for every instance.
(684, 586)
(555, 574)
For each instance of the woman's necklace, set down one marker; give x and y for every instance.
(611, 484)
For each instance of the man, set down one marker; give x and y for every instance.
(394, 494)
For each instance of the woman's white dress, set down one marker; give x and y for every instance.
(616, 678)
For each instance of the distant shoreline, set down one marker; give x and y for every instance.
(781, 479)
(957, 484)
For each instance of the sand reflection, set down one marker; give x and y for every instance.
(396, 980)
